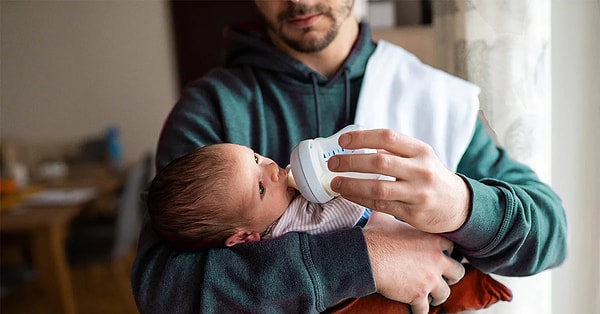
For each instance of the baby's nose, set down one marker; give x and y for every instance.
(276, 172)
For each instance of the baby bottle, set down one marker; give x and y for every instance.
(308, 171)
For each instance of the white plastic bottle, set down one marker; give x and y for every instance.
(308, 170)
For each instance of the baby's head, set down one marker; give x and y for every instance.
(217, 195)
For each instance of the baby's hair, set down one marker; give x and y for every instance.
(187, 200)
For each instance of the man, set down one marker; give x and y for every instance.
(311, 71)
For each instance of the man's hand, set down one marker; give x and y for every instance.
(409, 265)
(425, 194)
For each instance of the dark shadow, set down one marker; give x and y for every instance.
(198, 31)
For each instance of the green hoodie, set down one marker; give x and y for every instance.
(269, 101)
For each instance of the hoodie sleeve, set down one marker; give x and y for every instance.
(295, 273)
(517, 225)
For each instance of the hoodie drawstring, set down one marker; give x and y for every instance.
(315, 86)
(347, 92)
(313, 76)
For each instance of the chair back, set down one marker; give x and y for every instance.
(129, 208)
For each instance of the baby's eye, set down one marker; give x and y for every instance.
(261, 189)
(256, 159)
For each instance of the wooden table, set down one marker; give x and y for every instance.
(48, 225)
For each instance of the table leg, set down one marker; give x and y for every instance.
(49, 258)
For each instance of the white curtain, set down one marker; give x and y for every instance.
(504, 47)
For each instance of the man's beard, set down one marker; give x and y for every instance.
(313, 44)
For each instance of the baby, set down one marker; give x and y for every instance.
(226, 194)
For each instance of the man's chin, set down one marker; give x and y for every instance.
(309, 39)
(308, 45)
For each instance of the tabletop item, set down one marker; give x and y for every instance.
(61, 196)
(114, 148)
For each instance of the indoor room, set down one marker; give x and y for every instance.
(86, 88)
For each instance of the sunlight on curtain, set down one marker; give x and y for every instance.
(504, 47)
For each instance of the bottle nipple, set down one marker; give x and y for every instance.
(290, 178)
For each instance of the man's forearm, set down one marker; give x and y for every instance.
(294, 273)
(517, 225)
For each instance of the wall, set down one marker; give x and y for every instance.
(417, 39)
(576, 149)
(69, 69)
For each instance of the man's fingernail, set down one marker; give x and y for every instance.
(335, 184)
(333, 163)
(345, 139)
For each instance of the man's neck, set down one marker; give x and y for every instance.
(329, 60)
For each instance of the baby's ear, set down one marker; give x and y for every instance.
(241, 236)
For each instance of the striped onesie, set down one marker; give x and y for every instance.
(304, 216)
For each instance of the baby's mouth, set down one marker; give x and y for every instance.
(292, 192)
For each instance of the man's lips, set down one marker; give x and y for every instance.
(305, 21)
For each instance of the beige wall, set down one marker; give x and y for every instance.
(416, 39)
(69, 69)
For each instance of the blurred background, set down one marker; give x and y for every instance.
(86, 85)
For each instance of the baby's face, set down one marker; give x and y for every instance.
(260, 185)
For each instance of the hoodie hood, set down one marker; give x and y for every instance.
(248, 44)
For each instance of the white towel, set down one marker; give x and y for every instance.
(401, 93)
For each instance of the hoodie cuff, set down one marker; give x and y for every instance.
(342, 268)
(485, 219)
